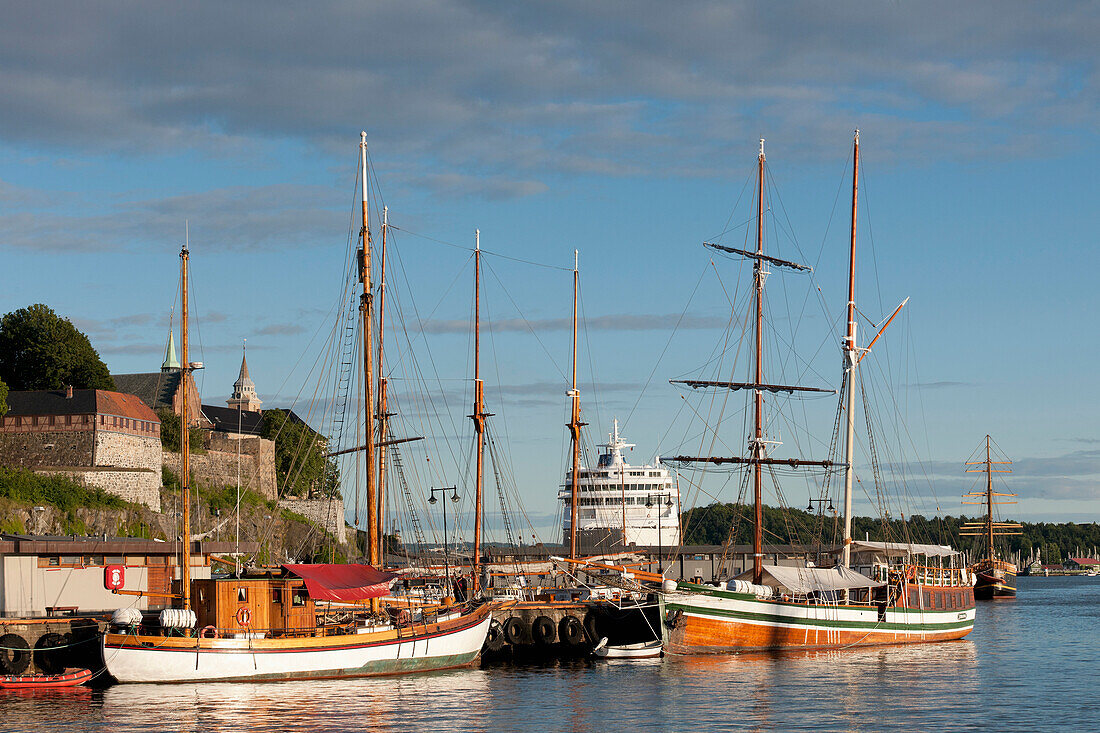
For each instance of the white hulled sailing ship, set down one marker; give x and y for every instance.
(620, 505)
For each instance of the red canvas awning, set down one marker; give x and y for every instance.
(343, 582)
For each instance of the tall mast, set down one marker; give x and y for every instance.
(185, 435)
(366, 322)
(574, 423)
(850, 364)
(479, 413)
(758, 406)
(989, 496)
(383, 408)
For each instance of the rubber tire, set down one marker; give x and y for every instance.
(515, 631)
(15, 656)
(542, 630)
(571, 631)
(494, 640)
(47, 657)
(591, 628)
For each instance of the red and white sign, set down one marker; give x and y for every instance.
(114, 577)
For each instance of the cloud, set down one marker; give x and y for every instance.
(238, 217)
(281, 329)
(478, 98)
(941, 385)
(615, 322)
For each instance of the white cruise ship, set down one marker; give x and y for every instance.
(621, 505)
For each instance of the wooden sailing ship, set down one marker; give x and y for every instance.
(908, 593)
(297, 621)
(995, 577)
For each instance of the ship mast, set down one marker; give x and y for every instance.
(574, 423)
(383, 408)
(366, 321)
(850, 365)
(185, 434)
(989, 529)
(758, 401)
(989, 496)
(479, 414)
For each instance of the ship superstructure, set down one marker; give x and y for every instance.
(620, 505)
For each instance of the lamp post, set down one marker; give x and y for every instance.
(820, 505)
(649, 505)
(432, 500)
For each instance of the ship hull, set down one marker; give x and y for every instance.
(722, 622)
(159, 659)
(991, 586)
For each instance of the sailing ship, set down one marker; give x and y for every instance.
(619, 504)
(296, 621)
(907, 592)
(994, 577)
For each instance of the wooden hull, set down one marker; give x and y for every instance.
(994, 585)
(453, 643)
(723, 622)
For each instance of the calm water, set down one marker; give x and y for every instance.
(1030, 664)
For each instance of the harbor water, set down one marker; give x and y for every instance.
(1028, 665)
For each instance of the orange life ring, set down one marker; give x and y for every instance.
(210, 628)
(243, 616)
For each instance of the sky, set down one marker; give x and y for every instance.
(626, 131)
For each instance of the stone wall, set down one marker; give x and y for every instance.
(124, 450)
(61, 448)
(326, 513)
(137, 485)
(218, 466)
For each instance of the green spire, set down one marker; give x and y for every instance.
(171, 362)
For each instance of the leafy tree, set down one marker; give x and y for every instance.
(41, 350)
(300, 462)
(3, 398)
(170, 432)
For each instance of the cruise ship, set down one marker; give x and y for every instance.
(622, 505)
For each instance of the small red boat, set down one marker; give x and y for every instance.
(35, 681)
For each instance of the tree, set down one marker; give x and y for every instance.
(300, 456)
(3, 398)
(170, 432)
(41, 350)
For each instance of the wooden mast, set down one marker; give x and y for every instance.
(850, 363)
(758, 402)
(185, 434)
(479, 415)
(575, 424)
(383, 408)
(366, 322)
(989, 496)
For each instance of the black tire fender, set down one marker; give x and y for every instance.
(542, 629)
(515, 631)
(494, 640)
(48, 657)
(571, 631)
(15, 654)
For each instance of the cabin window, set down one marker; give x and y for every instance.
(928, 599)
(54, 561)
(298, 599)
(242, 595)
(202, 595)
(276, 595)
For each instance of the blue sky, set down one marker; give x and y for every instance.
(623, 130)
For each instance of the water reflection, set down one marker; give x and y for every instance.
(1027, 660)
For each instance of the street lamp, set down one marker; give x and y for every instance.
(432, 500)
(820, 502)
(649, 505)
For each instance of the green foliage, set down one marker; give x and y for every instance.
(27, 487)
(300, 463)
(41, 350)
(3, 398)
(711, 525)
(170, 432)
(13, 525)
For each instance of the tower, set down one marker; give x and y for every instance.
(244, 391)
(171, 362)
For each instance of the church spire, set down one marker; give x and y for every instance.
(244, 389)
(171, 362)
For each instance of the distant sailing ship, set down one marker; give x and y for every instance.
(621, 505)
(995, 578)
(908, 594)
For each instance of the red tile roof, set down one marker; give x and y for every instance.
(1084, 561)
